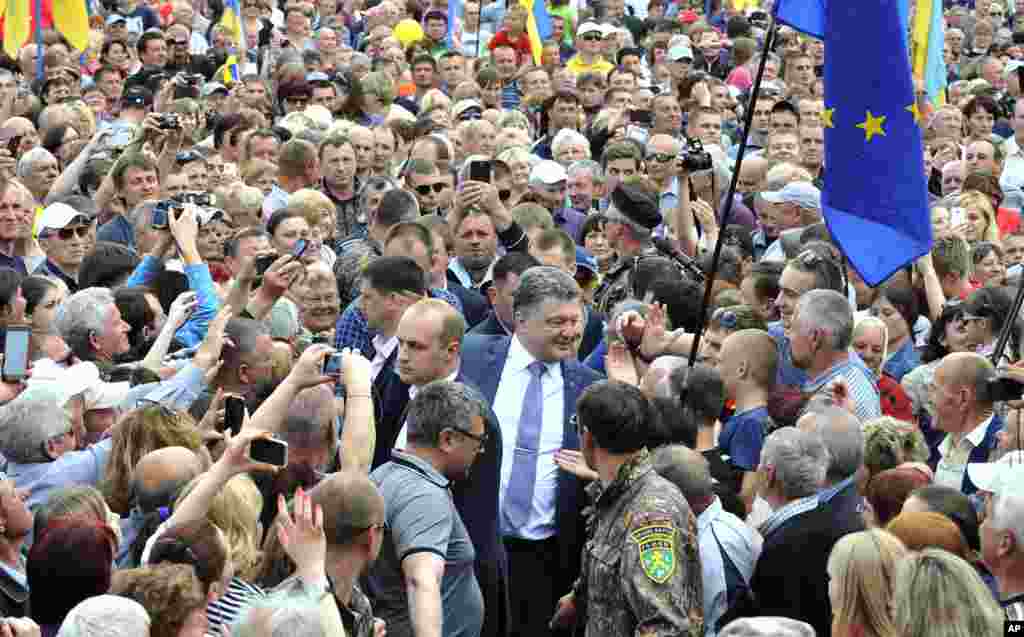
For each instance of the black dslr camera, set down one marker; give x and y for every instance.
(693, 158)
(167, 121)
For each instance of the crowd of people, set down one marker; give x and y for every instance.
(374, 318)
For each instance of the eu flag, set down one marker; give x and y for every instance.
(875, 199)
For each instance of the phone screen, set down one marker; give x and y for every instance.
(234, 414)
(480, 171)
(332, 365)
(957, 217)
(299, 248)
(16, 353)
(269, 450)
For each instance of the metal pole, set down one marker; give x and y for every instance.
(1009, 324)
(727, 213)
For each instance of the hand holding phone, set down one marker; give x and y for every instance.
(269, 451)
(234, 414)
(480, 171)
(16, 341)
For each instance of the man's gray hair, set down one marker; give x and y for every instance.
(1008, 515)
(687, 469)
(843, 436)
(442, 405)
(374, 184)
(568, 136)
(359, 58)
(28, 161)
(280, 615)
(106, 616)
(588, 167)
(36, 416)
(800, 459)
(82, 315)
(540, 284)
(830, 311)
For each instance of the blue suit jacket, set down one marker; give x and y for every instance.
(483, 359)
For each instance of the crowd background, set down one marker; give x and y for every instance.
(453, 253)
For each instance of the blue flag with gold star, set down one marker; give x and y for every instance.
(875, 199)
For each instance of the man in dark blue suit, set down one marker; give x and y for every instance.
(429, 344)
(500, 290)
(532, 380)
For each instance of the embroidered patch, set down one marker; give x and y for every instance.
(656, 542)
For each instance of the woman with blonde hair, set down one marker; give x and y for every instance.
(518, 162)
(319, 213)
(259, 174)
(145, 429)
(937, 594)
(979, 222)
(860, 570)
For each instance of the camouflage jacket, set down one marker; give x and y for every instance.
(641, 572)
(617, 284)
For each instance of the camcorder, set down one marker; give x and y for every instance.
(167, 121)
(176, 204)
(693, 158)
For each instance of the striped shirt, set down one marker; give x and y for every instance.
(510, 96)
(225, 610)
(863, 391)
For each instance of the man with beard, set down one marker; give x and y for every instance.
(653, 587)
(66, 236)
(820, 335)
(428, 555)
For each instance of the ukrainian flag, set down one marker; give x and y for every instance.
(231, 71)
(538, 25)
(926, 45)
(232, 20)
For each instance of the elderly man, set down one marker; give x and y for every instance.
(728, 548)
(841, 431)
(660, 158)
(820, 338)
(962, 406)
(534, 380)
(790, 578)
(105, 615)
(953, 175)
(1002, 531)
(91, 325)
(429, 556)
(66, 236)
(547, 183)
(476, 137)
(37, 436)
(38, 169)
(795, 205)
(586, 185)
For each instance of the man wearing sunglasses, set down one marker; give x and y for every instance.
(426, 183)
(66, 236)
(588, 58)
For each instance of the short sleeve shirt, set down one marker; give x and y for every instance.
(421, 516)
(743, 436)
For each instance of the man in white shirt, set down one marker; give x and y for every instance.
(1013, 164)
(390, 285)
(962, 406)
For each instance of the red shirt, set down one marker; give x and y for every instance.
(1008, 220)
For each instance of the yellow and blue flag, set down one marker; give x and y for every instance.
(538, 25)
(232, 73)
(875, 199)
(232, 21)
(926, 46)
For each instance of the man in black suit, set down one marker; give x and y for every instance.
(790, 579)
(533, 380)
(429, 346)
(474, 304)
(500, 292)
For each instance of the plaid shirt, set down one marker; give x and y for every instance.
(352, 330)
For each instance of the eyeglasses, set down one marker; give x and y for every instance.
(424, 189)
(481, 439)
(177, 42)
(592, 37)
(297, 100)
(661, 158)
(504, 195)
(65, 234)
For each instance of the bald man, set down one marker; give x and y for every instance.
(748, 364)
(354, 526)
(723, 539)
(157, 479)
(962, 405)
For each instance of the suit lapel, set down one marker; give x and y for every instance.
(570, 392)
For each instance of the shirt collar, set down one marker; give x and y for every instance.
(450, 378)
(384, 346)
(420, 466)
(828, 493)
(709, 515)
(519, 359)
(792, 509)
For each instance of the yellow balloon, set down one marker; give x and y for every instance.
(408, 31)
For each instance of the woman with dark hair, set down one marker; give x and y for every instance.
(592, 238)
(70, 561)
(897, 306)
(986, 310)
(58, 140)
(117, 55)
(987, 265)
(141, 310)
(980, 116)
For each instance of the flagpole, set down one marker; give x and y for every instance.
(727, 213)
(1009, 324)
(37, 7)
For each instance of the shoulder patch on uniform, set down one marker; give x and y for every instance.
(657, 543)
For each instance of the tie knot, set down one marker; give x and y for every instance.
(538, 368)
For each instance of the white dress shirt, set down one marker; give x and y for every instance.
(508, 406)
(403, 438)
(1013, 166)
(953, 461)
(383, 348)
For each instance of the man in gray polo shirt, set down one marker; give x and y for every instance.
(424, 584)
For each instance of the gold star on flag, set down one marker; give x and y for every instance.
(916, 112)
(872, 126)
(826, 117)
